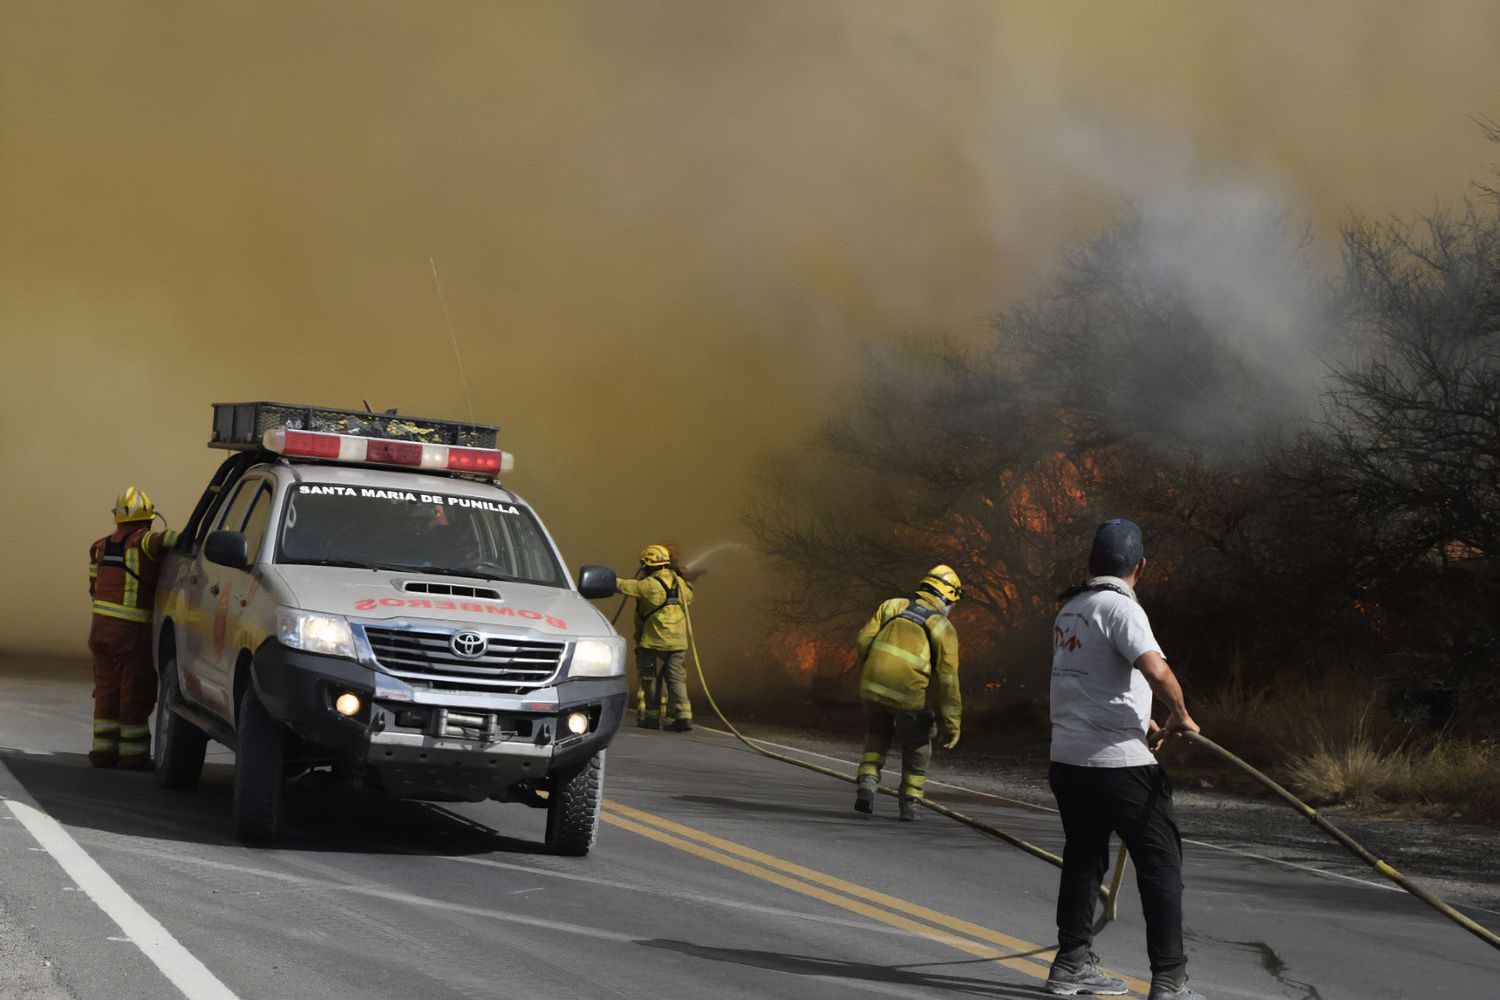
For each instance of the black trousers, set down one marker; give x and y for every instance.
(1136, 803)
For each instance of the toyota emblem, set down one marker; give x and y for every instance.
(469, 645)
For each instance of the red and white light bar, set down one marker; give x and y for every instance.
(384, 451)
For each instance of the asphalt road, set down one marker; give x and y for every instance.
(718, 873)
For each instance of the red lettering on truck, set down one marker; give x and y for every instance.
(472, 607)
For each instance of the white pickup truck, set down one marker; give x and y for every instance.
(357, 592)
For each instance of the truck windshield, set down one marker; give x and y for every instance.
(441, 533)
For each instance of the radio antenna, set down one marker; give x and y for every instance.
(443, 300)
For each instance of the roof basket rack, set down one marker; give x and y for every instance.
(242, 426)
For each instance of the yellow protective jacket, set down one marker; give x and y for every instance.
(898, 661)
(659, 619)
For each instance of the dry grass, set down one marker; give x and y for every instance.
(1268, 725)
(1333, 745)
(1444, 779)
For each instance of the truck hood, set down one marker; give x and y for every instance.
(383, 595)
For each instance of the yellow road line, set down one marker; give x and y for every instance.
(763, 861)
(843, 902)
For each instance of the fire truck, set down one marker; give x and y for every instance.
(357, 593)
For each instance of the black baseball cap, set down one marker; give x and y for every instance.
(1117, 548)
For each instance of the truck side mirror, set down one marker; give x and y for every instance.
(595, 582)
(227, 548)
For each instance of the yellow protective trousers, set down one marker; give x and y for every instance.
(913, 730)
(663, 679)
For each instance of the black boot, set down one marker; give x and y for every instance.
(908, 809)
(864, 799)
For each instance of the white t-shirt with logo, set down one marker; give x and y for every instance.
(1100, 703)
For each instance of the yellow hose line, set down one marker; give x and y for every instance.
(1351, 845)
(941, 810)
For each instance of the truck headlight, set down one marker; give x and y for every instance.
(598, 658)
(314, 633)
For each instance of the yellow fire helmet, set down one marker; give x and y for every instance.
(655, 555)
(134, 505)
(942, 581)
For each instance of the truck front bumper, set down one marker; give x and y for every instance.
(438, 745)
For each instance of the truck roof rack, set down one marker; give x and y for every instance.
(242, 426)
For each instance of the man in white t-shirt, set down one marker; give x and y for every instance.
(1106, 665)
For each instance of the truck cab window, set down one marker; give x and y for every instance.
(233, 518)
(257, 522)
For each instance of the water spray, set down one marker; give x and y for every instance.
(689, 566)
(697, 561)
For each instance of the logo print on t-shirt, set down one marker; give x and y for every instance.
(1066, 639)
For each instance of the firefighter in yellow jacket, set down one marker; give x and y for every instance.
(123, 570)
(661, 595)
(909, 683)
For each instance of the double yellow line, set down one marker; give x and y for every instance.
(973, 939)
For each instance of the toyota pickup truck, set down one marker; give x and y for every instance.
(358, 593)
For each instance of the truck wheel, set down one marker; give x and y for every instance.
(573, 808)
(258, 772)
(179, 747)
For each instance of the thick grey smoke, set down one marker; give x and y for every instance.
(1202, 313)
(661, 226)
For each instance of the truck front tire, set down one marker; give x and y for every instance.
(179, 747)
(259, 771)
(573, 808)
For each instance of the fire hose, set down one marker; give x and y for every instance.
(1111, 893)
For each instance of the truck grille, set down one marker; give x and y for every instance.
(429, 657)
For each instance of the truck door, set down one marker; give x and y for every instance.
(208, 603)
(229, 590)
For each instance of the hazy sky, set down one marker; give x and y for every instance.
(661, 227)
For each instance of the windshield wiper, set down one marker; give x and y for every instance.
(474, 571)
(477, 571)
(447, 571)
(347, 563)
(491, 571)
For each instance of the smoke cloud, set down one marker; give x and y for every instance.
(661, 226)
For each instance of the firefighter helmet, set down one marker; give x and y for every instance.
(134, 505)
(653, 556)
(942, 581)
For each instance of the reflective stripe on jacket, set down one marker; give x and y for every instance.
(123, 570)
(899, 668)
(659, 619)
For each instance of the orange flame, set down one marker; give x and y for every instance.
(808, 655)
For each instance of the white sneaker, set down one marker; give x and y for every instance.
(1172, 990)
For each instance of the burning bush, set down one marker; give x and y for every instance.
(1171, 372)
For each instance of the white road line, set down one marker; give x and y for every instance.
(1292, 864)
(165, 952)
